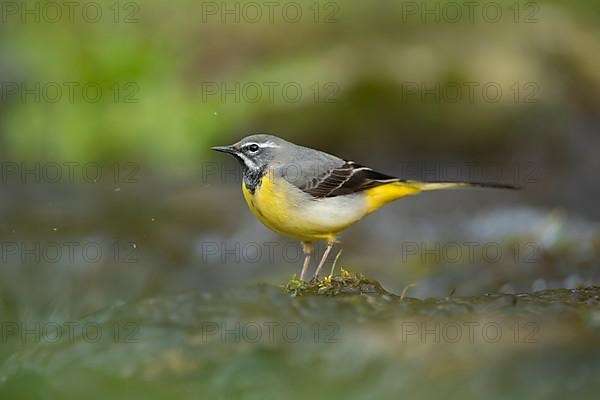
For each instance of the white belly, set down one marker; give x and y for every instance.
(334, 214)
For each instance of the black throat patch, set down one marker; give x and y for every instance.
(253, 178)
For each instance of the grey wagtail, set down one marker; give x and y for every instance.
(311, 195)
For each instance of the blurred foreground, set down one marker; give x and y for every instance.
(261, 343)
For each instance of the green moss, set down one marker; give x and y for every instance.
(343, 284)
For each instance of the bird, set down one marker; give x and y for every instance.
(311, 195)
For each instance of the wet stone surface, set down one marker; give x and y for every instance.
(346, 335)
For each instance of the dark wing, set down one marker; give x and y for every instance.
(346, 179)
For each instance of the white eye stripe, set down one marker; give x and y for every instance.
(262, 145)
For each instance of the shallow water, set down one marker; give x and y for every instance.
(260, 342)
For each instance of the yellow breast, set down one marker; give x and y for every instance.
(268, 205)
(288, 211)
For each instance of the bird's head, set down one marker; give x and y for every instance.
(256, 153)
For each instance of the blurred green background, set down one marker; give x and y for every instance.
(131, 95)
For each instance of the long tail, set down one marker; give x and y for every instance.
(381, 195)
(425, 186)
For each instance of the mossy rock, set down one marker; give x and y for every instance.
(346, 283)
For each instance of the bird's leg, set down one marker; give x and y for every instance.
(335, 260)
(307, 248)
(325, 255)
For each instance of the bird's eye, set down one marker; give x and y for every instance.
(253, 148)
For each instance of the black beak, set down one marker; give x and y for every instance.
(225, 149)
